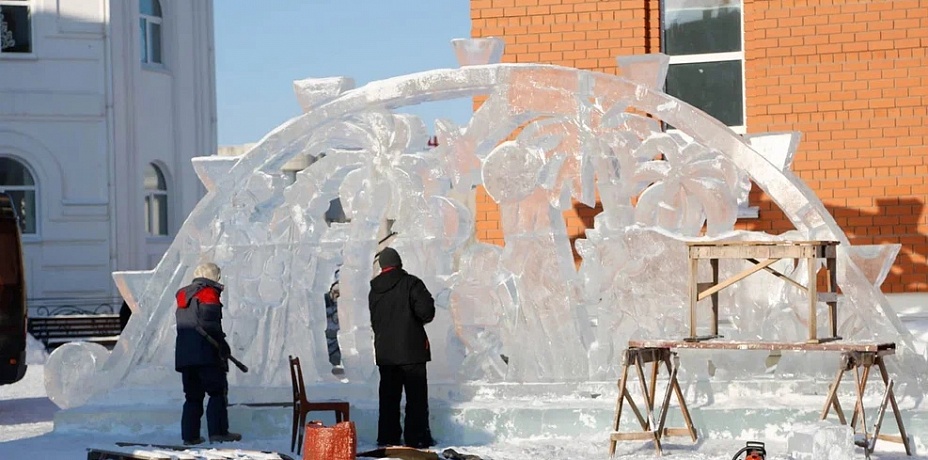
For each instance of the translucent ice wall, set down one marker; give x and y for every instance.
(546, 136)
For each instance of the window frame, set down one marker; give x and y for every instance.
(34, 188)
(149, 197)
(30, 7)
(712, 57)
(146, 57)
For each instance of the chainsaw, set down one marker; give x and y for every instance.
(752, 451)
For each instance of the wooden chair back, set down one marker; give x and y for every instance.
(296, 381)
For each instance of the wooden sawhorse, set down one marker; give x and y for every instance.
(854, 360)
(853, 357)
(763, 254)
(652, 424)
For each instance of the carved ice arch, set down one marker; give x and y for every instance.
(153, 291)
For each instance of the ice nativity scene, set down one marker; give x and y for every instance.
(664, 330)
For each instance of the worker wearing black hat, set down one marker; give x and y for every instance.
(400, 307)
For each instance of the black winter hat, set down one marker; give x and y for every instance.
(390, 258)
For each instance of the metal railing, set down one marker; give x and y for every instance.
(55, 306)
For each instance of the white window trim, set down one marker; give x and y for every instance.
(30, 4)
(149, 20)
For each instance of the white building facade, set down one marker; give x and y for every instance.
(102, 105)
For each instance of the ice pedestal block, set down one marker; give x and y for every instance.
(648, 69)
(545, 138)
(478, 51)
(821, 440)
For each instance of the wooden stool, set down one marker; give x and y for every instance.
(638, 357)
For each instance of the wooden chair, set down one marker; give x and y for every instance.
(302, 406)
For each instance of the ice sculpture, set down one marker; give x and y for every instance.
(70, 368)
(544, 137)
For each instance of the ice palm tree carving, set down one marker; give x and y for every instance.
(691, 184)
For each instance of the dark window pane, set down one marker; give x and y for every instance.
(15, 173)
(714, 87)
(155, 40)
(143, 40)
(24, 201)
(15, 30)
(148, 206)
(702, 26)
(150, 7)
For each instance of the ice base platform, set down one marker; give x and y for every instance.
(482, 414)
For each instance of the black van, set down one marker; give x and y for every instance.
(12, 295)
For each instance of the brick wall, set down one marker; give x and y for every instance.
(851, 75)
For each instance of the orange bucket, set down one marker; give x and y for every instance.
(339, 442)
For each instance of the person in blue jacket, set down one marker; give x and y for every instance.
(201, 355)
(331, 327)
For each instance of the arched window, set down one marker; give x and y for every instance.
(150, 31)
(156, 202)
(17, 181)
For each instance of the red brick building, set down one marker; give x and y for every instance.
(851, 75)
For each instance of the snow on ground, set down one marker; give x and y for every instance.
(27, 432)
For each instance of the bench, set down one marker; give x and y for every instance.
(54, 331)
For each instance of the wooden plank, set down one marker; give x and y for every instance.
(756, 252)
(638, 436)
(714, 263)
(832, 399)
(893, 438)
(694, 294)
(881, 413)
(783, 277)
(735, 278)
(873, 347)
(812, 266)
(903, 438)
(762, 243)
(676, 432)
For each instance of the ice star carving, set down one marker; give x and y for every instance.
(874, 260)
(212, 169)
(777, 148)
(131, 285)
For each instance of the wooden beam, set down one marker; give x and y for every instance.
(734, 279)
(783, 277)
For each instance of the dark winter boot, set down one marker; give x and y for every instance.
(452, 454)
(194, 442)
(228, 437)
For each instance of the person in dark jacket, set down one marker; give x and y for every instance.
(401, 306)
(201, 356)
(331, 327)
(124, 314)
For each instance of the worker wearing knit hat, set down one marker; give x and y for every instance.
(400, 307)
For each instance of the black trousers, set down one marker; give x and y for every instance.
(198, 382)
(393, 381)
